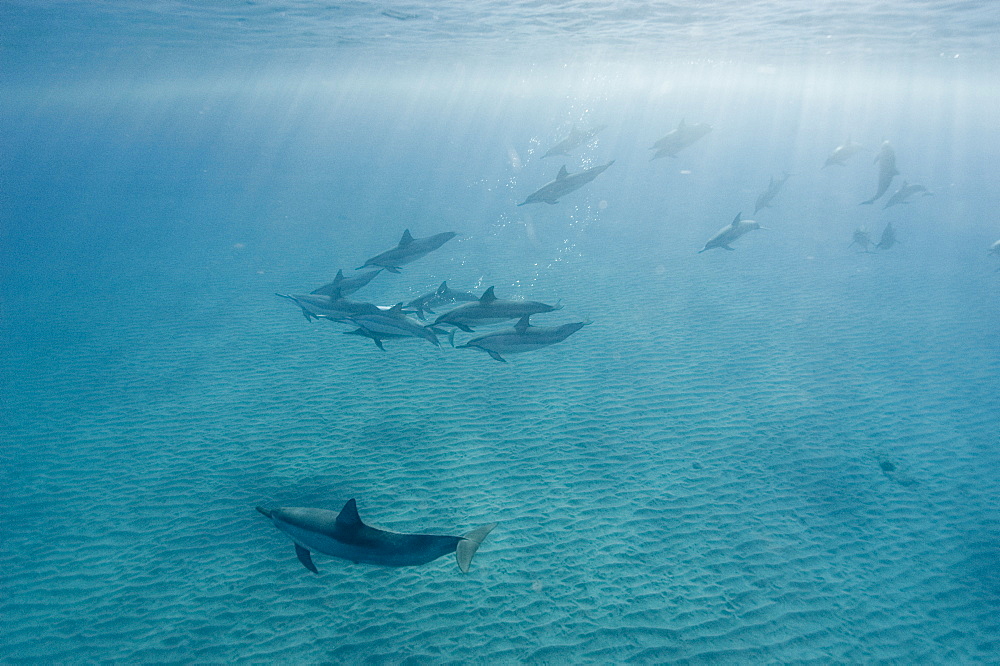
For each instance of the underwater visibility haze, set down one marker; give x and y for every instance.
(681, 318)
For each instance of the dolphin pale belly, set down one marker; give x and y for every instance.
(345, 536)
(842, 153)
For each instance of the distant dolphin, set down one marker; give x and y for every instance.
(842, 153)
(522, 338)
(343, 535)
(886, 159)
(393, 322)
(441, 296)
(861, 238)
(731, 232)
(409, 249)
(773, 187)
(888, 238)
(490, 310)
(679, 138)
(902, 195)
(575, 139)
(342, 286)
(994, 249)
(564, 184)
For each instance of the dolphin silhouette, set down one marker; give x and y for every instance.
(842, 153)
(886, 159)
(564, 184)
(490, 310)
(727, 234)
(344, 286)
(679, 138)
(409, 249)
(773, 187)
(344, 535)
(522, 338)
(575, 139)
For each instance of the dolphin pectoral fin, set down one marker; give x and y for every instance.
(392, 269)
(305, 558)
(378, 342)
(553, 202)
(469, 544)
(728, 248)
(496, 356)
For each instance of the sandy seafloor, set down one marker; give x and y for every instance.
(693, 477)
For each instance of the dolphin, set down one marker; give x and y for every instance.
(490, 310)
(342, 286)
(377, 338)
(773, 187)
(522, 338)
(440, 296)
(564, 184)
(886, 159)
(679, 138)
(575, 139)
(842, 153)
(343, 535)
(393, 322)
(888, 238)
(902, 195)
(861, 238)
(731, 232)
(317, 306)
(409, 249)
(994, 249)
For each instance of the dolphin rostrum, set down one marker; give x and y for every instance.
(343, 535)
(440, 296)
(575, 139)
(679, 138)
(842, 153)
(342, 286)
(409, 249)
(731, 232)
(886, 159)
(522, 338)
(773, 187)
(564, 184)
(888, 238)
(902, 195)
(490, 310)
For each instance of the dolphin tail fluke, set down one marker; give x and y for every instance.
(305, 558)
(469, 544)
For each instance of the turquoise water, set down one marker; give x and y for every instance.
(783, 453)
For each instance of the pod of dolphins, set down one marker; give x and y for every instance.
(344, 535)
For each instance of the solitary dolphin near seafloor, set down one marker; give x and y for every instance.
(440, 296)
(490, 310)
(343, 535)
(888, 238)
(409, 249)
(679, 138)
(731, 232)
(842, 153)
(886, 159)
(901, 195)
(773, 187)
(522, 338)
(344, 286)
(576, 138)
(861, 238)
(564, 184)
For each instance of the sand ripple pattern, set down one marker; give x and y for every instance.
(694, 477)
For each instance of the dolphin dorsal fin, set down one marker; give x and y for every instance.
(340, 275)
(443, 289)
(736, 220)
(395, 309)
(487, 297)
(348, 516)
(406, 239)
(562, 173)
(522, 324)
